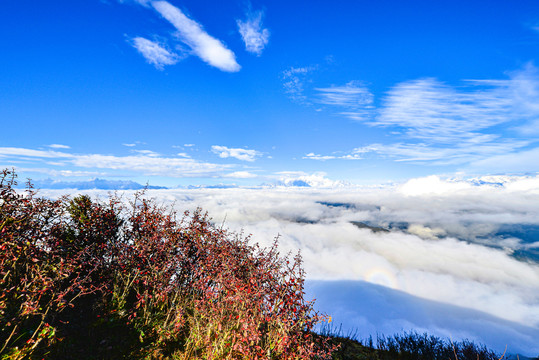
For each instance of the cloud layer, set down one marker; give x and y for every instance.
(448, 241)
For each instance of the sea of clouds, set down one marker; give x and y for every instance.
(450, 257)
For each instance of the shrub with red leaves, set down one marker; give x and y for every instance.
(80, 278)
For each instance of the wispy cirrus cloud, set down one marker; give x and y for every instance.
(430, 109)
(433, 111)
(145, 162)
(351, 95)
(254, 36)
(206, 47)
(237, 153)
(434, 122)
(151, 165)
(466, 154)
(461, 153)
(146, 152)
(7, 152)
(59, 146)
(352, 156)
(154, 53)
(351, 98)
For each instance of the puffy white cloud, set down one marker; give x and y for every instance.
(237, 153)
(252, 33)
(206, 47)
(432, 185)
(426, 232)
(302, 179)
(154, 53)
(240, 175)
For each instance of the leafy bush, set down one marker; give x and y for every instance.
(87, 279)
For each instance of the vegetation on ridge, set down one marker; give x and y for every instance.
(85, 279)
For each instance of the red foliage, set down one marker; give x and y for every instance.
(171, 287)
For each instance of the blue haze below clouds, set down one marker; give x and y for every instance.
(365, 309)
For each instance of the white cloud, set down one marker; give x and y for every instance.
(353, 95)
(303, 179)
(60, 173)
(146, 162)
(240, 175)
(294, 80)
(147, 153)
(313, 156)
(238, 153)
(206, 47)
(426, 232)
(429, 109)
(460, 153)
(151, 165)
(435, 112)
(433, 185)
(59, 146)
(30, 153)
(477, 125)
(254, 37)
(154, 53)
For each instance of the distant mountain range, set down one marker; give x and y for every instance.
(99, 184)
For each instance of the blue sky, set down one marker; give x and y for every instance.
(205, 92)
